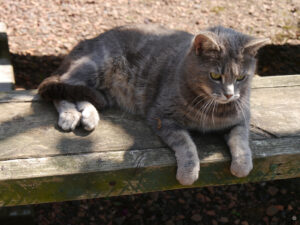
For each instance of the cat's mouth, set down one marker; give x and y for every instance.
(225, 100)
(221, 101)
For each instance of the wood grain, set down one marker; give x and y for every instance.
(40, 163)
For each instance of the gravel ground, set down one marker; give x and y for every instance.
(41, 32)
(270, 203)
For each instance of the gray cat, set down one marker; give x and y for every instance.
(175, 80)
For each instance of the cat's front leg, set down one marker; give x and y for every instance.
(178, 139)
(238, 142)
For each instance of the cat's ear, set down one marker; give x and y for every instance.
(204, 42)
(255, 44)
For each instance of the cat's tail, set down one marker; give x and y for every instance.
(52, 89)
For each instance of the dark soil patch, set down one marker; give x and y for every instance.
(236, 204)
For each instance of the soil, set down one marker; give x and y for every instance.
(41, 32)
(268, 203)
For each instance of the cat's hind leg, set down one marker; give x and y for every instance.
(69, 116)
(89, 115)
(74, 92)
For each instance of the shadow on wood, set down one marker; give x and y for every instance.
(40, 163)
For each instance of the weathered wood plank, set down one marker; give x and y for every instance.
(137, 171)
(276, 81)
(28, 129)
(277, 110)
(40, 163)
(20, 96)
(141, 158)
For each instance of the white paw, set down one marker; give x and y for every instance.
(68, 120)
(89, 117)
(242, 166)
(188, 172)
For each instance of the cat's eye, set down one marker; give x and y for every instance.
(215, 76)
(240, 77)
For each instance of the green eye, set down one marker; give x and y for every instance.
(240, 77)
(215, 76)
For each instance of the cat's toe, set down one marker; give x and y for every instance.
(69, 120)
(241, 168)
(90, 118)
(187, 175)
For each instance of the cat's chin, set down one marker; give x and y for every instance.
(220, 101)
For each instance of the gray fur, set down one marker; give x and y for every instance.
(163, 75)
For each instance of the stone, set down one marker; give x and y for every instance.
(196, 217)
(237, 221)
(170, 222)
(271, 210)
(283, 191)
(224, 219)
(214, 222)
(272, 190)
(210, 212)
(280, 207)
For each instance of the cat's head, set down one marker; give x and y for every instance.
(221, 63)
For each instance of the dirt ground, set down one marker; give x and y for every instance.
(40, 32)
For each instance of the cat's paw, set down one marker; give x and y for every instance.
(188, 173)
(242, 166)
(68, 120)
(89, 117)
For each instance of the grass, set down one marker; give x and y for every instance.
(217, 9)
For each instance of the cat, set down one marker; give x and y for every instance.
(175, 80)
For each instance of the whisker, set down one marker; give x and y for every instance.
(241, 108)
(200, 101)
(199, 110)
(213, 115)
(191, 104)
(206, 110)
(244, 102)
(199, 113)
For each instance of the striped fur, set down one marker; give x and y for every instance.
(164, 75)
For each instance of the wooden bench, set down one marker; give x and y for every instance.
(40, 163)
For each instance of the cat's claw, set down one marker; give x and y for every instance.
(241, 167)
(188, 175)
(68, 120)
(89, 117)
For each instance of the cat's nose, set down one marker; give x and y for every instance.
(228, 96)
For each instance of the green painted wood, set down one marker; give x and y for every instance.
(268, 165)
(282, 164)
(40, 163)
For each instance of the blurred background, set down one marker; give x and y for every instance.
(41, 32)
